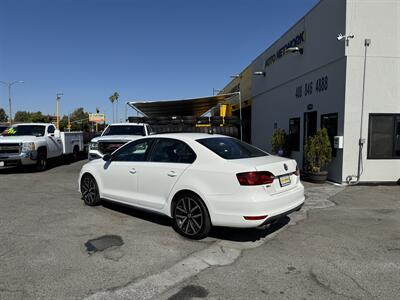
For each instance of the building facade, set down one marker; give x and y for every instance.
(309, 79)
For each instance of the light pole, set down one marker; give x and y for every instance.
(9, 85)
(58, 97)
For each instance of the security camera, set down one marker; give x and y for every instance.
(340, 37)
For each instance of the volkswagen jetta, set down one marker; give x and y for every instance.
(199, 180)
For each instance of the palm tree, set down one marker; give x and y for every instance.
(114, 98)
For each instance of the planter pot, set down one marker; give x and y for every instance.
(319, 177)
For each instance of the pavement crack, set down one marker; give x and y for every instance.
(327, 286)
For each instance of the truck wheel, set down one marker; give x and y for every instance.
(90, 190)
(41, 162)
(75, 154)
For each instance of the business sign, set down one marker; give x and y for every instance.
(295, 42)
(97, 118)
(320, 85)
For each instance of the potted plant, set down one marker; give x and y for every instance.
(318, 154)
(279, 143)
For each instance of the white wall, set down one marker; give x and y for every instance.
(274, 98)
(378, 20)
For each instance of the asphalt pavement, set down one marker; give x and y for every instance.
(348, 251)
(344, 243)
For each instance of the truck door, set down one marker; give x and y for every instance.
(54, 144)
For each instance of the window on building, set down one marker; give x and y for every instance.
(384, 136)
(330, 122)
(294, 134)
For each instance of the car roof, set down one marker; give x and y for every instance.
(32, 124)
(188, 135)
(127, 124)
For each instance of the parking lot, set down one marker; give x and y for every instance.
(44, 252)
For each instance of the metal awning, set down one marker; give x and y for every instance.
(181, 107)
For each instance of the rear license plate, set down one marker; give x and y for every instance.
(1, 163)
(284, 180)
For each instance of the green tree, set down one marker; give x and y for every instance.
(3, 115)
(80, 120)
(114, 98)
(37, 117)
(64, 123)
(23, 116)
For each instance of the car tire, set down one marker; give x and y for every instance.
(90, 190)
(41, 161)
(190, 216)
(75, 154)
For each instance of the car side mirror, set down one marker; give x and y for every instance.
(107, 157)
(57, 133)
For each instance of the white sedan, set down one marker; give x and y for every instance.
(199, 180)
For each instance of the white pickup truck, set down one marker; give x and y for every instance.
(114, 136)
(35, 143)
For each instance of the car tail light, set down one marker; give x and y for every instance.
(255, 178)
(297, 172)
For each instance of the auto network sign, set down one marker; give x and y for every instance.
(295, 42)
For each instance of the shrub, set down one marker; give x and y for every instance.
(318, 151)
(279, 142)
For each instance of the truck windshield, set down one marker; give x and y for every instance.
(124, 130)
(35, 130)
(2, 128)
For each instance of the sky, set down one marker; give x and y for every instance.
(143, 49)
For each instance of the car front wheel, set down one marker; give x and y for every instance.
(190, 217)
(90, 190)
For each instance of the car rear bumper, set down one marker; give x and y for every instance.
(230, 210)
(28, 158)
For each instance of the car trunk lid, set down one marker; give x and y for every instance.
(282, 168)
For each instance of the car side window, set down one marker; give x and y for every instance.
(135, 151)
(172, 151)
(51, 129)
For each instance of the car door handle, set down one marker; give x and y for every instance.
(132, 171)
(172, 174)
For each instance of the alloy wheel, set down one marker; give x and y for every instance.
(89, 190)
(189, 216)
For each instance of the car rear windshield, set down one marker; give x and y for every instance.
(125, 130)
(35, 130)
(229, 148)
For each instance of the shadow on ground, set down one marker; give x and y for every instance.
(138, 213)
(221, 233)
(51, 164)
(248, 234)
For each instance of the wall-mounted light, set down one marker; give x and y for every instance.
(235, 76)
(259, 73)
(294, 50)
(341, 37)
